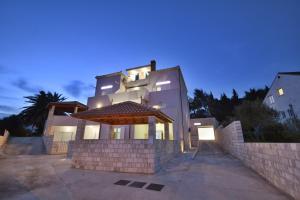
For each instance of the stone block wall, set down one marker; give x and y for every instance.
(55, 147)
(134, 156)
(279, 163)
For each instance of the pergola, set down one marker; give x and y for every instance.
(125, 113)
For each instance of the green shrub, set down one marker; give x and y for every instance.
(261, 124)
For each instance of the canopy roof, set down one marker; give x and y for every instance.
(68, 106)
(127, 112)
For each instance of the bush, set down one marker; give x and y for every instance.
(14, 125)
(261, 124)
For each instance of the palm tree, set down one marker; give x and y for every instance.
(36, 113)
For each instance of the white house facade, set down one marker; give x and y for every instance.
(284, 95)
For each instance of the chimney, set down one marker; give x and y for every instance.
(153, 65)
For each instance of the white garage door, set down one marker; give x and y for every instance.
(206, 133)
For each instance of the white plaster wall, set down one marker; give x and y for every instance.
(291, 87)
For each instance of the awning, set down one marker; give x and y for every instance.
(127, 112)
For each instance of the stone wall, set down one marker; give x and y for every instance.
(134, 156)
(3, 138)
(55, 147)
(279, 163)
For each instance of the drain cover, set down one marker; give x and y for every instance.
(156, 187)
(137, 184)
(122, 182)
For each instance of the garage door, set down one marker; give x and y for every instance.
(206, 133)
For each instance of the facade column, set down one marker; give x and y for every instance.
(166, 126)
(76, 109)
(48, 124)
(151, 128)
(110, 132)
(131, 131)
(80, 130)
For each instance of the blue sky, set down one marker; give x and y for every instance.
(62, 45)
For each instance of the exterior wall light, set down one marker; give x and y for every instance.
(163, 83)
(197, 124)
(106, 87)
(99, 105)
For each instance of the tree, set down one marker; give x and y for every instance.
(14, 125)
(36, 113)
(253, 94)
(255, 117)
(235, 100)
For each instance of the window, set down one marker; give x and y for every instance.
(141, 131)
(163, 82)
(160, 131)
(206, 133)
(280, 92)
(171, 134)
(117, 134)
(106, 87)
(91, 132)
(64, 133)
(158, 89)
(271, 99)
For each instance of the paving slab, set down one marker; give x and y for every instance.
(215, 176)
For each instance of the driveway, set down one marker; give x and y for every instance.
(208, 176)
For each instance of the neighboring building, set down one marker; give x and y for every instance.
(142, 114)
(284, 95)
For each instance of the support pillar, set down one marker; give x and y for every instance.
(151, 128)
(80, 130)
(76, 109)
(166, 126)
(48, 124)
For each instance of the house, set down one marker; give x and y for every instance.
(284, 95)
(135, 122)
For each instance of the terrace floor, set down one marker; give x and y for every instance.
(208, 176)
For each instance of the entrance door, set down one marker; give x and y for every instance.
(206, 133)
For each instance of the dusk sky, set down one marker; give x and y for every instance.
(62, 45)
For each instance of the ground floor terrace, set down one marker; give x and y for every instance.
(132, 138)
(208, 176)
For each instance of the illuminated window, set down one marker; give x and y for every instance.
(160, 131)
(271, 99)
(117, 134)
(106, 87)
(280, 91)
(197, 124)
(171, 135)
(163, 83)
(158, 89)
(91, 132)
(206, 133)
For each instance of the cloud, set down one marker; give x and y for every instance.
(5, 108)
(23, 84)
(8, 98)
(76, 88)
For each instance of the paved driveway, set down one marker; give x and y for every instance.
(216, 177)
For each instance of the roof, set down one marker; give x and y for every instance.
(68, 106)
(127, 112)
(289, 73)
